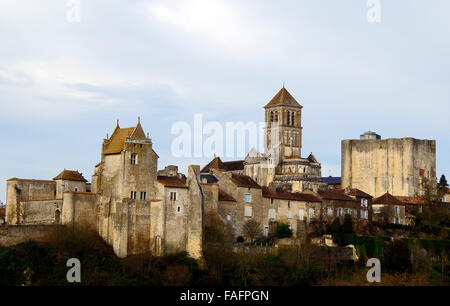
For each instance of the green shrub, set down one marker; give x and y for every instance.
(284, 231)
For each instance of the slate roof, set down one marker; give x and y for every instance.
(172, 181)
(330, 180)
(334, 195)
(305, 197)
(283, 98)
(70, 175)
(388, 199)
(210, 179)
(241, 180)
(223, 196)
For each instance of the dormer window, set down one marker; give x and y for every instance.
(133, 158)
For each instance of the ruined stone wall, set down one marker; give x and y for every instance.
(211, 193)
(80, 208)
(19, 190)
(15, 234)
(40, 211)
(196, 213)
(390, 165)
(176, 220)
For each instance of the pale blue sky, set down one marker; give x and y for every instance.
(63, 85)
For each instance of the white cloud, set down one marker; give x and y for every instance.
(215, 22)
(66, 85)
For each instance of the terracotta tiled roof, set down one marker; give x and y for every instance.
(408, 215)
(117, 140)
(411, 200)
(218, 164)
(241, 180)
(305, 197)
(223, 196)
(29, 180)
(283, 98)
(359, 193)
(388, 199)
(172, 181)
(70, 175)
(334, 195)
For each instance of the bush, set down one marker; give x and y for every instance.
(284, 231)
(396, 256)
(347, 227)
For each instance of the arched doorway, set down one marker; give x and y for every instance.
(57, 216)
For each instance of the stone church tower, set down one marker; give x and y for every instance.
(281, 165)
(283, 117)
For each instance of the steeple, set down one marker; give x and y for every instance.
(283, 98)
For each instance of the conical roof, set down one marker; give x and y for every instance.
(283, 98)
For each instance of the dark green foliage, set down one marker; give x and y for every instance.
(283, 230)
(347, 226)
(396, 256)
(336, 226)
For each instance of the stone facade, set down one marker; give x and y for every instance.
(134, 208)
(396, 166)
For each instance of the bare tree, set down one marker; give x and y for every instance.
(252, 229)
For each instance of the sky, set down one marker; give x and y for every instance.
(65, 78)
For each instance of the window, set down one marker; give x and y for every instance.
(133, 195)
(76, 189)
(396, 210)
(311, 213)
(266, 231)
(178, 208)
(364, 202)
(133, 159)
(293, 118)
(143, 195)
(173, 195)
(248, 211)
(271, 201)
(396, 220)
(289, 214)
(289, 204)
(301, 214)
(364, 214)
(247, 198)
(330, 212)
(339, 212)
(272, 213)
(228, 217)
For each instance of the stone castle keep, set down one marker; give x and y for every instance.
(136, 209)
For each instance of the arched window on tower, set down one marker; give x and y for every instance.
(271, 116)
(289, 118)
(293, 118)
(276, 116)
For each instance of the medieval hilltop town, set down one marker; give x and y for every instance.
(137, 207)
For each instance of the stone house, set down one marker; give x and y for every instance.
(247, 196)
(389, 208)
(337, 204)
(298, 210)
